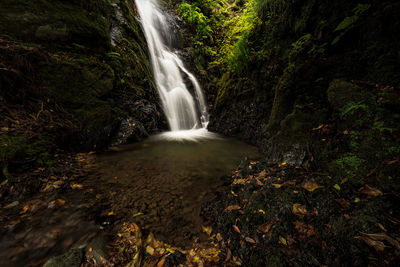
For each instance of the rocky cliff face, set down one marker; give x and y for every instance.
(293, 55)
(83, 64)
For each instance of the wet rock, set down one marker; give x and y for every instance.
(71, 258)
(97, 250)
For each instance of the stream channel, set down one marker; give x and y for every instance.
(160, 184)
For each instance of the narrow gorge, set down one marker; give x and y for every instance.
(199, 133)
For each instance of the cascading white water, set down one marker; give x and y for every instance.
(183, 111)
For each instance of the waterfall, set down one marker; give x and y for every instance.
(183, 111)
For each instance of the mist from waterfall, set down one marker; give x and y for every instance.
(185, 112)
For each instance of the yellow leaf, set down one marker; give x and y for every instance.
(207, 230)
(137, 214)
(310, 186)
(261, 211)
(170, 250)
(111, 213)
(76, 186)
(337, 187)
(277, 185)
(299, 210)
(219, 237)
(233, 193)
(283, 240)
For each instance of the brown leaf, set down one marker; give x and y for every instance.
(384, 236)
(239, 181)
(56, 203)
(262, 174)
(299, 210)
(265, 227)
(231, 208)
(250, 240)
(370, 191)
(236, 229)
(25, 209)
(259, 182)
(161, 263)
(344, 203)
(377, 245)
(310, 186)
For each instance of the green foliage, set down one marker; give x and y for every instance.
(349, 22)
(352, 108)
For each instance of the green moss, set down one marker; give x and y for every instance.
(21, 152)
(349, 166)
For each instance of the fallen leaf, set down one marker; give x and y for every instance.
(261, 211)
(370, 191)
(236, 229)
(393, 161)
(356, 200)
(161, 263)
(207, 230)
(250, 240)
(347, 216)
(259, 182)
(283, 240)
(384, 236)
(310, 186)
(377, 245)
(262, 174)
(76, 186)
(345, 180)
(277, 185)
(299, 210)
(56, 203)
(25, 209)
(265, 227)
(231, 208)
(233, 193)
(344, 203)
(337, 187)
(150, 250)
(239, 181)
(382, 227)
(218, 237)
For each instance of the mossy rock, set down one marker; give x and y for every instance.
(56, 24)
(341, 92)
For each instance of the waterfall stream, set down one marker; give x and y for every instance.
(186, 113)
